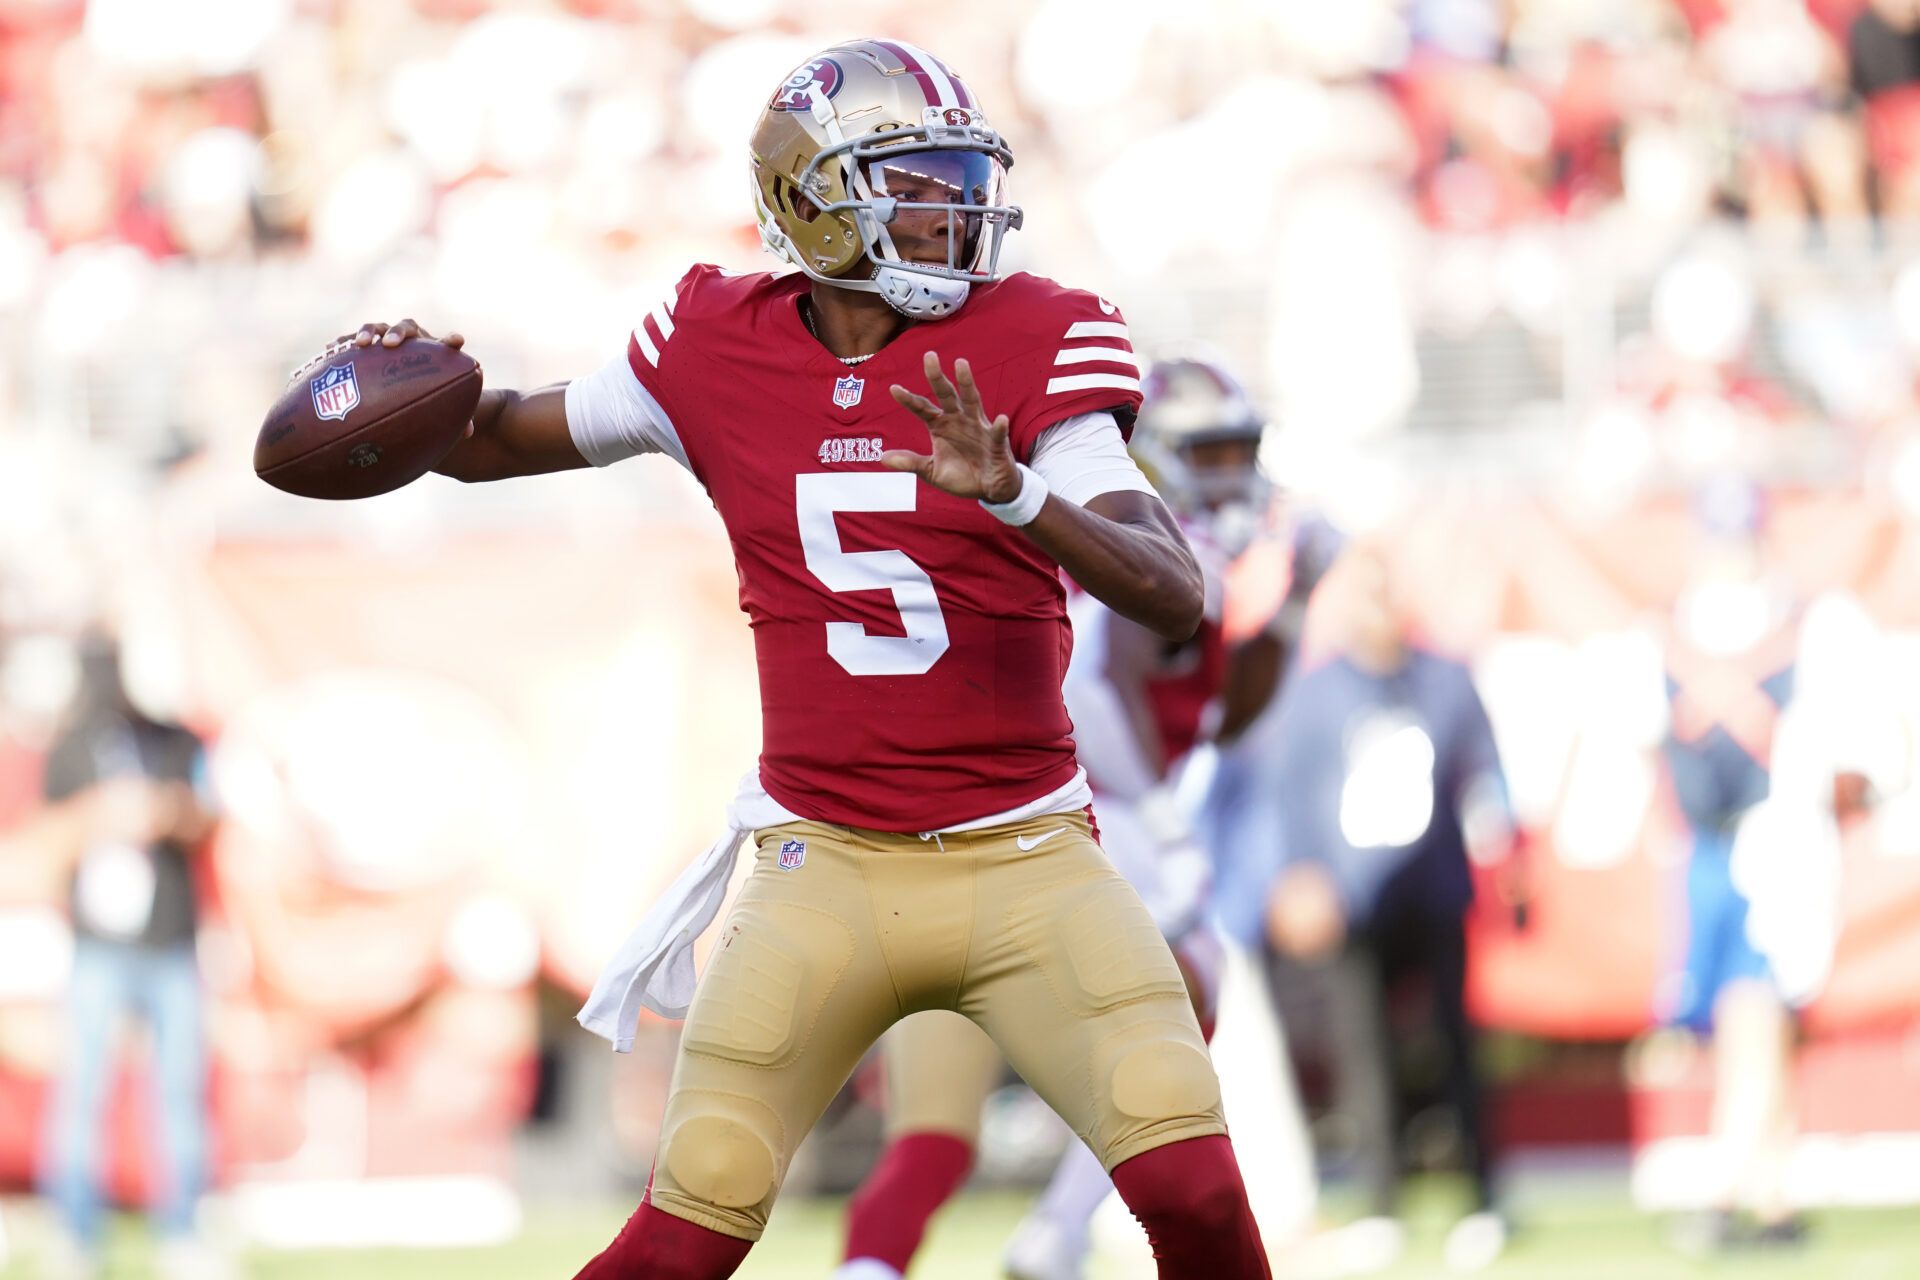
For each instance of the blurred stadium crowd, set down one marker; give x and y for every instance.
(1517, 281)
(1334, 196)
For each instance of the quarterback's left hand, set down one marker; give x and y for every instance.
(970, 458)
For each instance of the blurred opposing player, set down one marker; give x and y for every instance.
(1139, 703)
(923, 841)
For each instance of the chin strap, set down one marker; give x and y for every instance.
(918, 296)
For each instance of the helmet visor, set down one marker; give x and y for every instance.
(948, 201)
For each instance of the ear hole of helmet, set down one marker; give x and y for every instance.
(795, 203)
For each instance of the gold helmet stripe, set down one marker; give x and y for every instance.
(924, 67)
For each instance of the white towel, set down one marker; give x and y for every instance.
(654, 966)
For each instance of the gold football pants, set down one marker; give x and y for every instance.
(1045, 948)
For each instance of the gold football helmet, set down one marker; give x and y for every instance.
(874, 169)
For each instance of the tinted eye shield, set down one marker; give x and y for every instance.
(929, 159)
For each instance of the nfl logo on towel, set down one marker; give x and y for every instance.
(846, 391)
(792, 854)
(335, 392)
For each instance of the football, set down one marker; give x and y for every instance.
(360, 421)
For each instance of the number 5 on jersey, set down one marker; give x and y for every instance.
(818, 497)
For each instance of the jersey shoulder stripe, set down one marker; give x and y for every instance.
(1115, 350)
(1098, 329)
(1089, 381)
(1100, 355)
(647, 343)
(704, 291)
(1071, 354)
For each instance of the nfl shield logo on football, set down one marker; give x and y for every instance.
(335, 392)
(792, 854)
(846, 391)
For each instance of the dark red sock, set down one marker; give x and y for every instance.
(1189, 1197)
(915, 1175)
(655, 1245)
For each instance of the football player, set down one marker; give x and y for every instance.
(1139, 702)
(921, 823)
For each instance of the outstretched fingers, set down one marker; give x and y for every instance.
(399, 333)
(943, 390)
(921, 407)
(907, 460)
(969, 390)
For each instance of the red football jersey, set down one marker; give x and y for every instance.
(1183, 692)
(910, 646)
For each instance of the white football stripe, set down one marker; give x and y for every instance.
(1105, 355)
(647, 349)
(1083, 381)
(1099, 329)
(662, 319)
(941, 85)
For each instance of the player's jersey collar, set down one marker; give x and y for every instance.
(814, 356)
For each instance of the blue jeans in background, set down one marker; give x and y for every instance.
(161, 987)
(1719, 951)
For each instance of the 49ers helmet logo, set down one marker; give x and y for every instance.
(797, 93)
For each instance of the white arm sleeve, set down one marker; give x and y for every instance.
(611, 416)
(1083, 457)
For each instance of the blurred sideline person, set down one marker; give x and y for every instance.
(1139, 705)
(1386, 786)
(133, 904)
(1761, 776)
(922, 829)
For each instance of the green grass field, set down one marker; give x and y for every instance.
(1575, 1237)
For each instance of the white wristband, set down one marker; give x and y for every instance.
(1026, 504)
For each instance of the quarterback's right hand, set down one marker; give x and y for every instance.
(392, 335)
(970, 457)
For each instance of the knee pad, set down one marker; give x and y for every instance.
(1165, 1080)
(720, 1161)
(723, 1154)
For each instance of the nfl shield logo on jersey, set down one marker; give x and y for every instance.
(792, 854)
(335, 392)
(846, 391)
